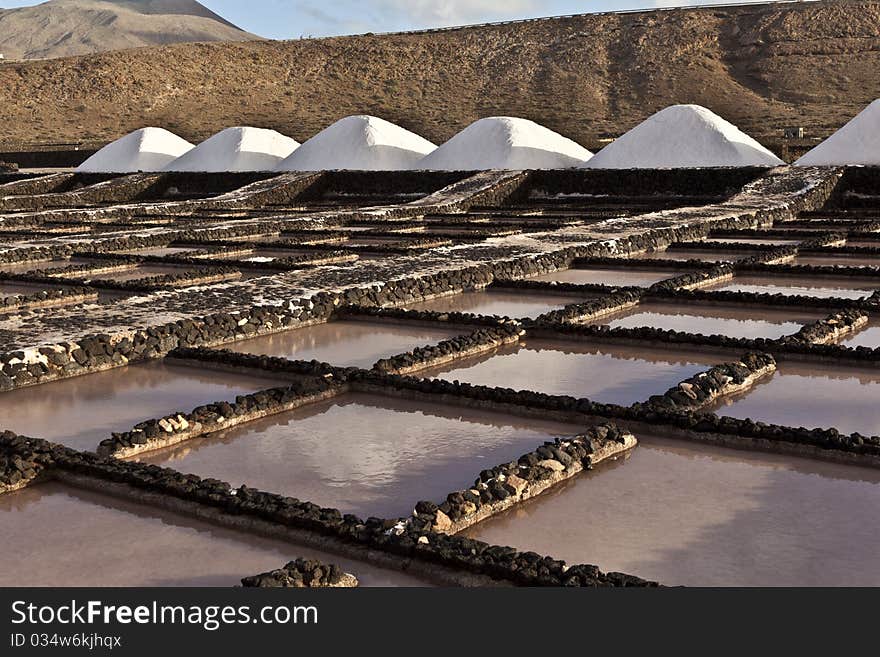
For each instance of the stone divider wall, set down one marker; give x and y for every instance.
(707, 387)
(302, 574)
(504, 486)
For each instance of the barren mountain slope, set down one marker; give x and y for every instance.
(62, 28)
(762, 67)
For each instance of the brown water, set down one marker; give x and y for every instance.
(798, 285)
(363, 454)
(686, 514)
(495, 302)
(608, 374)
(711, 255)
(611, 276)
(830, 260)
(872, 243)
(812, 396)
(732, 321)
(161, 251)
(24, 267)
(60, 536)
(764, 241)
(272, 254)
(144, 271)
(346, 344)
(8, 289)
(867, 337)
(82, 411)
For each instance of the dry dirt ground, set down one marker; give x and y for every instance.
(763, 67)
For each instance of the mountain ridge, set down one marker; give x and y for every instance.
(64, 28)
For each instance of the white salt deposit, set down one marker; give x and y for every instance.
(364, 143)
(147, 149)
(683, 136)
(505, 142)
(858, 142)
(237, 149)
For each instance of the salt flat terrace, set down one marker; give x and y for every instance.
(380, 371)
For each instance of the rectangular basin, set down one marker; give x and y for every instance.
(82, 411)
(363, 454)
(514, 304)
(811, 286)
(686, 514)
(624, 276)
(345, 343)
(603, 373)
(812, 396)
(710, 319)
(708, 255)
(60, 536)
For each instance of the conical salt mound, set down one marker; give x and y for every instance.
(147, 149)
(858, 142)
(505, 142)
(683, 136)
(237, 149)
(364, 143)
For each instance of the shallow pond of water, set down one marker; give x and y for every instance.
(496, 302)
(709, 319)
(610, 276)
(82, 411)
(813, 286)
(686, 514)
(345, 343)
(60, 536)
(608, 374)
(363, 454)
(812, 396)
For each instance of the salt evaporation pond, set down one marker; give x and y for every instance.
(842, 260)
(810, 286)
(759, 241)
(683, 136)
(345, 344)
(609, 374)
(363, 454)
(710, 255)
(687, 514)
(732, 321)
(812, 396)
(609, 276)
(82, 411)
(25, 267)
(141, 271)
(97, 540)
(867, 337)
(147, 149)
(505, 142)
(496, 302)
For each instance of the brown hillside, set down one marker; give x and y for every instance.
(763, 67)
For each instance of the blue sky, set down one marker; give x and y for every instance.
(290, 19)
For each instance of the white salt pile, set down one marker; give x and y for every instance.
(505, 142)
(364, 143)
(683, 136)
(858, 142)
(147, 149)
(237, 149)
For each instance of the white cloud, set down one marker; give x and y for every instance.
(455, 12)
